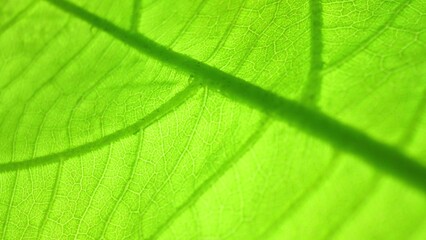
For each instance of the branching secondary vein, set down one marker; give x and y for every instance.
(312, 89)
(369, 40)
(379, 155)
(136, 15)
(151, 118)
(198, 192)
(17, 17)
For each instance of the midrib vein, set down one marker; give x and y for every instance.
(174, 102)
(379, 155)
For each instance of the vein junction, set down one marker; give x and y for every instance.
(379, 155)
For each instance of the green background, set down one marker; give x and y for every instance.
(113, 143)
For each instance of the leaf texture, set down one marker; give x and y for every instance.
(212, 119)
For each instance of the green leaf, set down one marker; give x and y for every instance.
(211, 119)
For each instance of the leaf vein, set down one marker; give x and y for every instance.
(378, 155)
(312, 90)
(136, 15)
(198, 192)
(369, 40)
(157, 114)
(304, 197)
(15, 19)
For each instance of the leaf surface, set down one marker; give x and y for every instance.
(212, 119)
